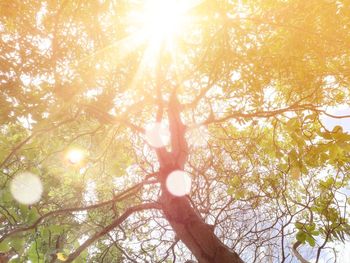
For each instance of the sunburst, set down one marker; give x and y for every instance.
(158, 24)
(154, 23)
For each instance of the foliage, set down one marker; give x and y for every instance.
(258, 75)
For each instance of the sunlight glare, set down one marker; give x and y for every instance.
(178, 183)
(158, 23)
(163, 18)
(157, 135)
(75, 156)
(26, 188)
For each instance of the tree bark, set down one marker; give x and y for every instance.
(188, 225)
(194, 232)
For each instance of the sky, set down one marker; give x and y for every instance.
(330, 123)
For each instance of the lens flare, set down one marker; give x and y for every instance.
(178, 183)
(157, 135)
(26, 188)
(75, 156)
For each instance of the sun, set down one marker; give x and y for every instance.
(163, 19)
(160, 21)
(155, 26)
(75, 156)
(152, 25)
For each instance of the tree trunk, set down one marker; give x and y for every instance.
(194, 232)
(188, 225)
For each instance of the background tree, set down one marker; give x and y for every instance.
(243, 86)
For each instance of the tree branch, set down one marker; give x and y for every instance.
(179, 147)
(109, 119)
(127, 193)
(110, 227)
(263, 114)
(34, 133)
(297, 254)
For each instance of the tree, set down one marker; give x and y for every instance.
(243, 87)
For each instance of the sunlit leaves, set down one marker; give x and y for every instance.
(72, 77)
(61, 257)
(295, 172)
(4, 247)
(307, 233)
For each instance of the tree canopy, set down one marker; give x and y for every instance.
(166, 131)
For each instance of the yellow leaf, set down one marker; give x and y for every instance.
(295, 173)
(61, 256)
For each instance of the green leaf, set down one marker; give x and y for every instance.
(6, 197)
(33, 215)
(299, 225)
(315, 233)
(310, 240)
(24, 210)
(56, 229)
(33, 254)
(310, 227)
(301, 236)
(17, 243)
(4, 246)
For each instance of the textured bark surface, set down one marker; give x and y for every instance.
(194, 232)
(188, 225)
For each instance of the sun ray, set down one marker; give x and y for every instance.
(162, 21)
(155, 25)
(119, 49)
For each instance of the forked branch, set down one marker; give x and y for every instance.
(110, 227)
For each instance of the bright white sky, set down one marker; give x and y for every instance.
(338, 111)
(330, 123)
